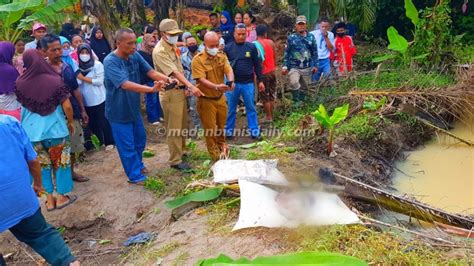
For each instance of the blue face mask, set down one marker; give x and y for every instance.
(66, 52)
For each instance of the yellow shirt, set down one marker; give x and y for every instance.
(166, 58)
(212, 69)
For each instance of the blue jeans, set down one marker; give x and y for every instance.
(247, 92)
(324, 69)
(153, 107)
(130, 140)
(44, 239)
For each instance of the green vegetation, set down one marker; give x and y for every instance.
(377, 248)
(330, 122)
(402, 78)
(199, 196)
(155, 185)
(363, 126)
(221, 213)
(302, 258)
(17, 16)
(433, 44)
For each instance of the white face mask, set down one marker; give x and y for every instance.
(212, 51)
(85, 57)
(172, 39)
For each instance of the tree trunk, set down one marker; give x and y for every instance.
(137, 12)
(161, 8)
(104, 13)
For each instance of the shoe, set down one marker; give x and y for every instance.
(182, 166)
(157, 123)
(161, 119)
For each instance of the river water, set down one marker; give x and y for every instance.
(441, 173)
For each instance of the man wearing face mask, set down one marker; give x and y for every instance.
(300, 59)
(166, 58)
(186, 59)
(208, 69)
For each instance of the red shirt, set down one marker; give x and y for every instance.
(269, 64)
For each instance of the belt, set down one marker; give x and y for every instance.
(212, 98)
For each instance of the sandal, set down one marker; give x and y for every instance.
(139, 183)
(80, 178)
(50, 209)
(72, 199)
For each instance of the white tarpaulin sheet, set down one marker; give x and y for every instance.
(262, 206)
(258, 171)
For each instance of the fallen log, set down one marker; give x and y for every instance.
(407, 206)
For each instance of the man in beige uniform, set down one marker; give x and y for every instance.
(166, 58)
(209, 68)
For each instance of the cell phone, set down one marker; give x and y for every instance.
(170, 86)
(229, 83)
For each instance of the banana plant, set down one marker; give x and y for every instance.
(13, 20)
(397, 42)
(330, 122)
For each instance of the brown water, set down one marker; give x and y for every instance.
(442, 172)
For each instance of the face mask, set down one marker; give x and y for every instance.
(66, 52)
(172, 39)
(340, 34)
(193, 48)
(85, 58)
(212, 51)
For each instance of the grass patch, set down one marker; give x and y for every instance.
(363, 126)
(377, 248)
(221, 213)
(147, 254)
(181, 259)
(401, 78)
(155, 185)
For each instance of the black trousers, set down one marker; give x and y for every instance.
(99, 125)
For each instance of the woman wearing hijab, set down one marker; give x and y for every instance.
(66, 57)
(99, 44)
(8, 103)
(45, 101)
(152, 100)
(91, 84)
(227, 27)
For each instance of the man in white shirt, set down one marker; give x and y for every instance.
(39, 30)
(325, 41)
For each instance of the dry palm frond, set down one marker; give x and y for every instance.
(457, 101)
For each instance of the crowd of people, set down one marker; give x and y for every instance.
(57, 90)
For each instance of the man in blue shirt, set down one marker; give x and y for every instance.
(244, 60)
(123, 68)
(300, 60)
(325, 41)
(51, 46)
(19, 208)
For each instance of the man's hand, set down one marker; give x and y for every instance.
(325, 33)
(70, 127)
(196, 92)
(172, 80)
(314, 70)
(284, 71)
(222, 87)
(38, 188)
(158, 86)
(85, 117)
(232, 87)
(261, 87)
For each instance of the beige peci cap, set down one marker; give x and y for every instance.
(170, 26)
(301, 19)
